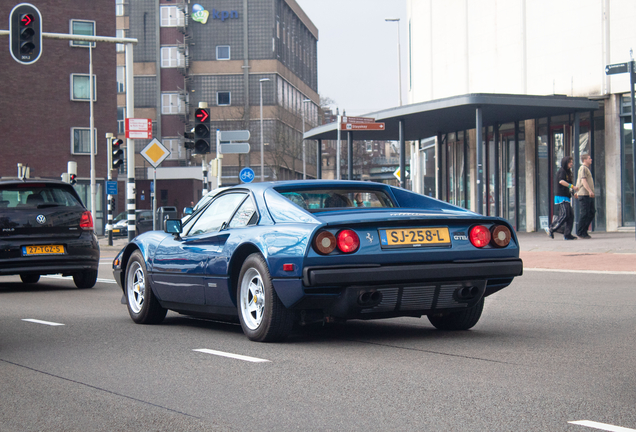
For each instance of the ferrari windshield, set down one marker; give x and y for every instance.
(316, 200)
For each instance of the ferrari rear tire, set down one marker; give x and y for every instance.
(86, 279)
(29, 278)
(263, 316)
(461, 320)
(143, 306)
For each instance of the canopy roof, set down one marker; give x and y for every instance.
(457, 113)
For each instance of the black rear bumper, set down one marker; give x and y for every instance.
(457, 271)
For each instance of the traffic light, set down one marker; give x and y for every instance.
(25, 33)
(117, 153)
(72, 178)
(201, 131)
(188, 142)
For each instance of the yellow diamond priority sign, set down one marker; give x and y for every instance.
(155, 152)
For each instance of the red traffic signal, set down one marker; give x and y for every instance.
(117, 153)
(25, 33)
(202, 115)
(72, 178)
(202, 131)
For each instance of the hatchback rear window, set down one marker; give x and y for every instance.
(316, 200)
(36, 196)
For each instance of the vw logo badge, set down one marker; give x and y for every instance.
(41, 219)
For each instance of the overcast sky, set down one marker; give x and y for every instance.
(357, 52)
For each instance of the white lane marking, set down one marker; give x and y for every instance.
(230, 355)
(580, 271)
(601, 426)
(69, 277)
(42, 322)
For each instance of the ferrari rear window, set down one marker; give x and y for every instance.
(36, 196)
(316, 200)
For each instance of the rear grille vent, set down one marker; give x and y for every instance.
(388, 303)
(417, 298)
(446, 299)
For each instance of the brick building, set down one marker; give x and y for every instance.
(45, 105)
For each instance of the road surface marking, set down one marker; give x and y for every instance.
(601, 426)
(230, 355)
(580, 271)
(41, 322)
(68, 277)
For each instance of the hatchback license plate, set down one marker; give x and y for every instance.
(43, 250)
(414, 237)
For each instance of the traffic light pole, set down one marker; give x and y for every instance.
(109, 165)
(130, 145)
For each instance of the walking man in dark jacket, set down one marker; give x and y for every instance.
(587, 209)
(562, 200)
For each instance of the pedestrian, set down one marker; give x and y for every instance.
(587, 209)
(562, 200)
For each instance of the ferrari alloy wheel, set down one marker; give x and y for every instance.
(143, 307)
(29, 278)
(460, 320)
(263, 317)
(86, 279)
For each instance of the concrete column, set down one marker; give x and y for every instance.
(531, 186)
(613, 209)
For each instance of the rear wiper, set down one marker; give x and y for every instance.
(48, 205)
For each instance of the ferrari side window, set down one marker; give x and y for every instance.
(244, 214)
(216, 214)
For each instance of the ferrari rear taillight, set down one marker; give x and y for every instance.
(348, 241)
(479, 236)
(86, 221)
(324, 243)
(500, 235)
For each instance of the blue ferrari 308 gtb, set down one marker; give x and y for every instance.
(274, 254)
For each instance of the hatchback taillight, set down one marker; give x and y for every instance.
(479, 236)
(86, 221)
(348, 241)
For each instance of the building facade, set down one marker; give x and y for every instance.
(527, 48)
(224, 53)
(45, 118)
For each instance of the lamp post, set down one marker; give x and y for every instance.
(397, 20)
(304, 152)
(260, 83)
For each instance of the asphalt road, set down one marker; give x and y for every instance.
(550, 349)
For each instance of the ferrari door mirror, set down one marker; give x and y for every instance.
(173, 226)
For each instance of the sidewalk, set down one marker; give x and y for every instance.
(614, 251)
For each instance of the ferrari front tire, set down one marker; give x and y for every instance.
(461, 320)
(263, 316)
(143, 306)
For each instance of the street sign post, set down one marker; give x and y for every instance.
(111, 187)
(138, 128)
(361, 126)
(234, 135)
(617, 68)
(155, 153)
(234, 148)
(246, 175)
(346, 119)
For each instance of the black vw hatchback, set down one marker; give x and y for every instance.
(45, 229)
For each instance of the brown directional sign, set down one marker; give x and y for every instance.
(347, 119)
(617, 68)
(361, 126)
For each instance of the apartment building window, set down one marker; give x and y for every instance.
(171, 103)
(121, 120)
(80, 91)
(82, 27)
(223, 52)
(121, 79)
(171, 16)
(120, 34)
(81, 142)
(119, 7)
(171, 57)
(176, 149)
(223, 98)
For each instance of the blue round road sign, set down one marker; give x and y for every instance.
(246, 175)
